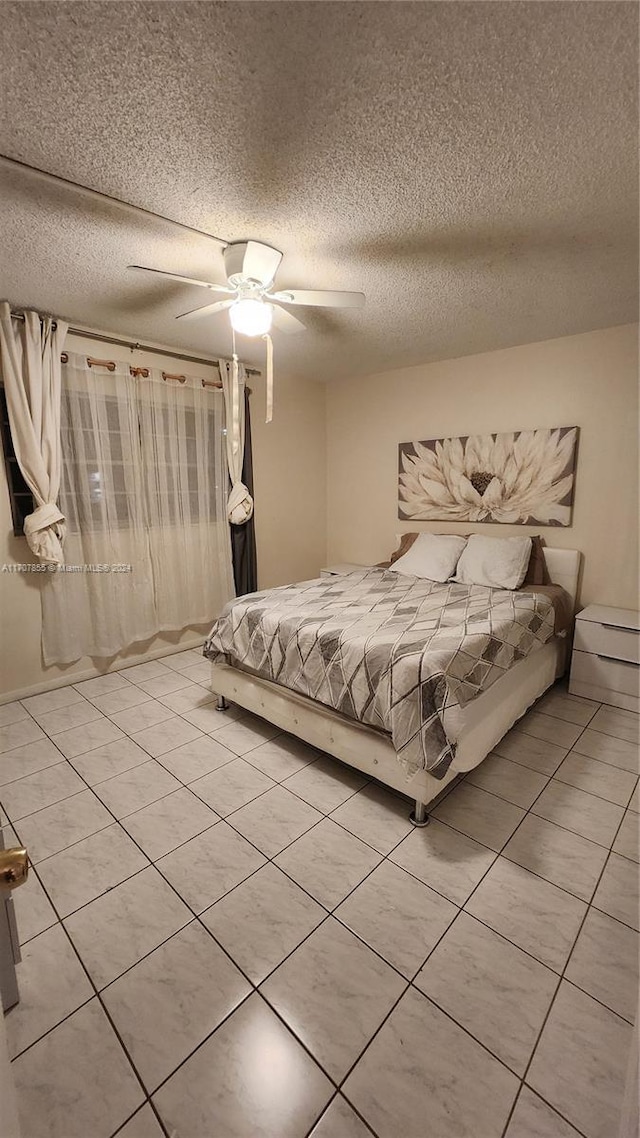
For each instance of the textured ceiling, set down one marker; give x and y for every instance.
(470, 166)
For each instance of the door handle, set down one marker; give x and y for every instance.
(14, 868)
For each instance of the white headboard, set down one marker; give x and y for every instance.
(563, 567)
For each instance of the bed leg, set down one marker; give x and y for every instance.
(419, 816)
(222, 704)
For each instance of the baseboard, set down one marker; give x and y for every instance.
(93, 673)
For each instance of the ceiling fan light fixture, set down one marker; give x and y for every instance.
(250, 317)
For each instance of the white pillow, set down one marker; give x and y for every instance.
(432, 555)
(500, 562)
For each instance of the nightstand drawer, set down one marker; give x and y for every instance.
(607, 640)
(600, 670)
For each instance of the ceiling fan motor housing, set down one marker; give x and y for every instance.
(237, 267)
(233, 261)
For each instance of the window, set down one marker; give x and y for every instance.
(93, 468)
(96, 475)
(178, 462)
(20, 496)
(99, 469)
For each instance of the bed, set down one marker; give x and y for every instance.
(472, 726)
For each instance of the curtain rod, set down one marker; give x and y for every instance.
(136, 347)
(136, 372)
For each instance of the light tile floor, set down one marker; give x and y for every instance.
(226, 933)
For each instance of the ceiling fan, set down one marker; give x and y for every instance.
(250, 268)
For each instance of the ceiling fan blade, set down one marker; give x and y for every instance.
(185, 280)
(319, 298)
(217, 306)
(285, 321)
(260, 262)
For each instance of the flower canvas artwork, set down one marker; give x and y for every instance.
(523, 477)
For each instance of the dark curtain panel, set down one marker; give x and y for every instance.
(243, 538)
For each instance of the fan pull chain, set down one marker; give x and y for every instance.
(269, 415)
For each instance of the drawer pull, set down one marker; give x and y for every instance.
(620, 628)
(629, 663)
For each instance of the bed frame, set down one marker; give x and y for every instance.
(481, 724)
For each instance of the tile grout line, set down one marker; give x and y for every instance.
(255, 988)
(331, 912)
(224, 818)
(410, 985)
(55, 763)
(319, 754)
(187, 786)
(337, 1096)
(530, 810)
(596, 1000)
(384, 856)
(147, 1097)
(308, 1133)
(568, 723)
(551, 777)
(557, 988)
(526, 1086)
(137, 1111)
(562, 978)
(593, 794)
(281, 782)
(91, 787)
(96, 995)
(196, 917)
(151, 861)
(463, 909)
(562, 718)
(151, 864)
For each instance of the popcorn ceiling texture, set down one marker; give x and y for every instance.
(470, 166)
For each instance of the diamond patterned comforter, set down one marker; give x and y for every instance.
(391, 651)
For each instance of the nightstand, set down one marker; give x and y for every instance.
(341, 570)
(605, 664)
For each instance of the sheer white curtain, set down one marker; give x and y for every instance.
(182, 432)
(240, 503)
(30, 353)
(90, 608)
(144, 485)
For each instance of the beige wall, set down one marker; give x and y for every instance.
(589, 380)
(289, 471)
(289, 456)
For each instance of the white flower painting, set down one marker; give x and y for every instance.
(525, 477)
